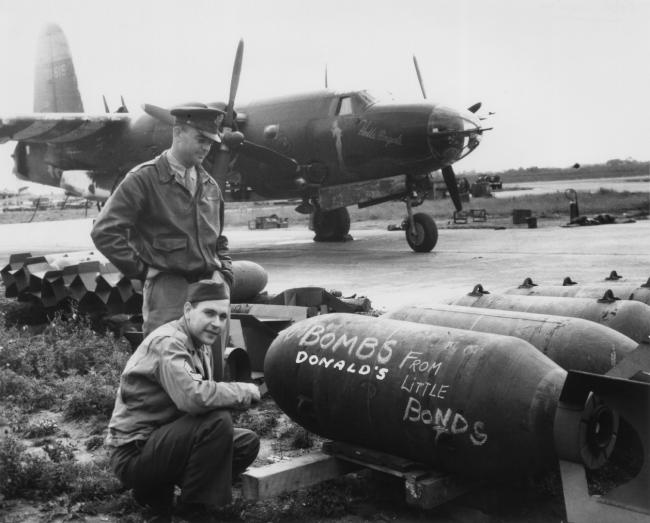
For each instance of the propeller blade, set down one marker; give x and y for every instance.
(269, 157)
(417, 71)
(325, 76)
(106, 109)
(221, 156)
(234, 84)
(475, 107)
(452, 186)
(159, 113)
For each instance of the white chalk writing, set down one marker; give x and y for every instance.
(362, 348)
(424, 388)
(416, 364)
(445, 422)
(342, 365)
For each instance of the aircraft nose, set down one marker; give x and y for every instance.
(452, 134)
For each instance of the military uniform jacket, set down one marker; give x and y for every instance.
(165, 378)
(152, 220)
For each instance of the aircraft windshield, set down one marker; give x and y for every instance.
(367, 98)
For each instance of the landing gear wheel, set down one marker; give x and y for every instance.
(425, 234)
(331, 226)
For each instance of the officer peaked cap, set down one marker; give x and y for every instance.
(207, 290)
(199, 116)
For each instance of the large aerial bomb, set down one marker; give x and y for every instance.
(476, 404)
(630, 318)
(250, 280)
(624, 291)
(572, 343)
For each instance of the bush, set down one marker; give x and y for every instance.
(31, 477)
(94, 442)
(64, 347)
(19, 472)
(262, 423)
(29, 393)
(58, 452)
(41, 429)
(90, 395)
(67, 361)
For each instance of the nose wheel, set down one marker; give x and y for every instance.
(421, 230)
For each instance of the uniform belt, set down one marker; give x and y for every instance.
(193, 278)
(189, 277)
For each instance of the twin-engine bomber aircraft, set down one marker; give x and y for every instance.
(331, 149)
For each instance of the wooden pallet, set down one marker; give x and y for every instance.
(424, 487)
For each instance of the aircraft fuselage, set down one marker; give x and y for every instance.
(350, 136)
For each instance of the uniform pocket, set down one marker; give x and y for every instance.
(170, 243)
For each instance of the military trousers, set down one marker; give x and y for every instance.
(199, 454)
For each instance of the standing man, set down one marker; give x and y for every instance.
(163, 223)
(171, 425)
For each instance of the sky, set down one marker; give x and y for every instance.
(567, 79)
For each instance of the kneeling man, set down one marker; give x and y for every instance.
(171, 425)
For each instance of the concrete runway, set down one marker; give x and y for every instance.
(380, 265)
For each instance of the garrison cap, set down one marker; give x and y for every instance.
(201, 117)
(206, 290)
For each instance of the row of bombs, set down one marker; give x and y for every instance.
(98, 287)
(480, 386)
(96, 284)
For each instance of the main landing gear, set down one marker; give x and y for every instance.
(331, 226)
(420, 228)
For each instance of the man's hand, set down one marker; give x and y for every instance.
(255, 392)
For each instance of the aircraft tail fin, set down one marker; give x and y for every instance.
(55, 80)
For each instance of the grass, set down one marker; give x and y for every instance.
(66, 368)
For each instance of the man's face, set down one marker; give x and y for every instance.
(190, 146)
(206, 319)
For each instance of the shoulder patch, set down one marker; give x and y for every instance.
(193, 374)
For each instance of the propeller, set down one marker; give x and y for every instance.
(447, 171)
(452, 186)
(417, 71)
(234, 85)
(233, 141)
(221, 155)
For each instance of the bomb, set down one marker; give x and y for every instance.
(630, 318)
(476, 404)
(624, 291)
(572, 343)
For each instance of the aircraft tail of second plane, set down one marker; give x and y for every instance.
(55, 80)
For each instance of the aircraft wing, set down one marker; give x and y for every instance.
(57, 127)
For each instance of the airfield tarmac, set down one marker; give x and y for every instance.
(379, 264)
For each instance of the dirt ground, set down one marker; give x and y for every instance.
(357, 497)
